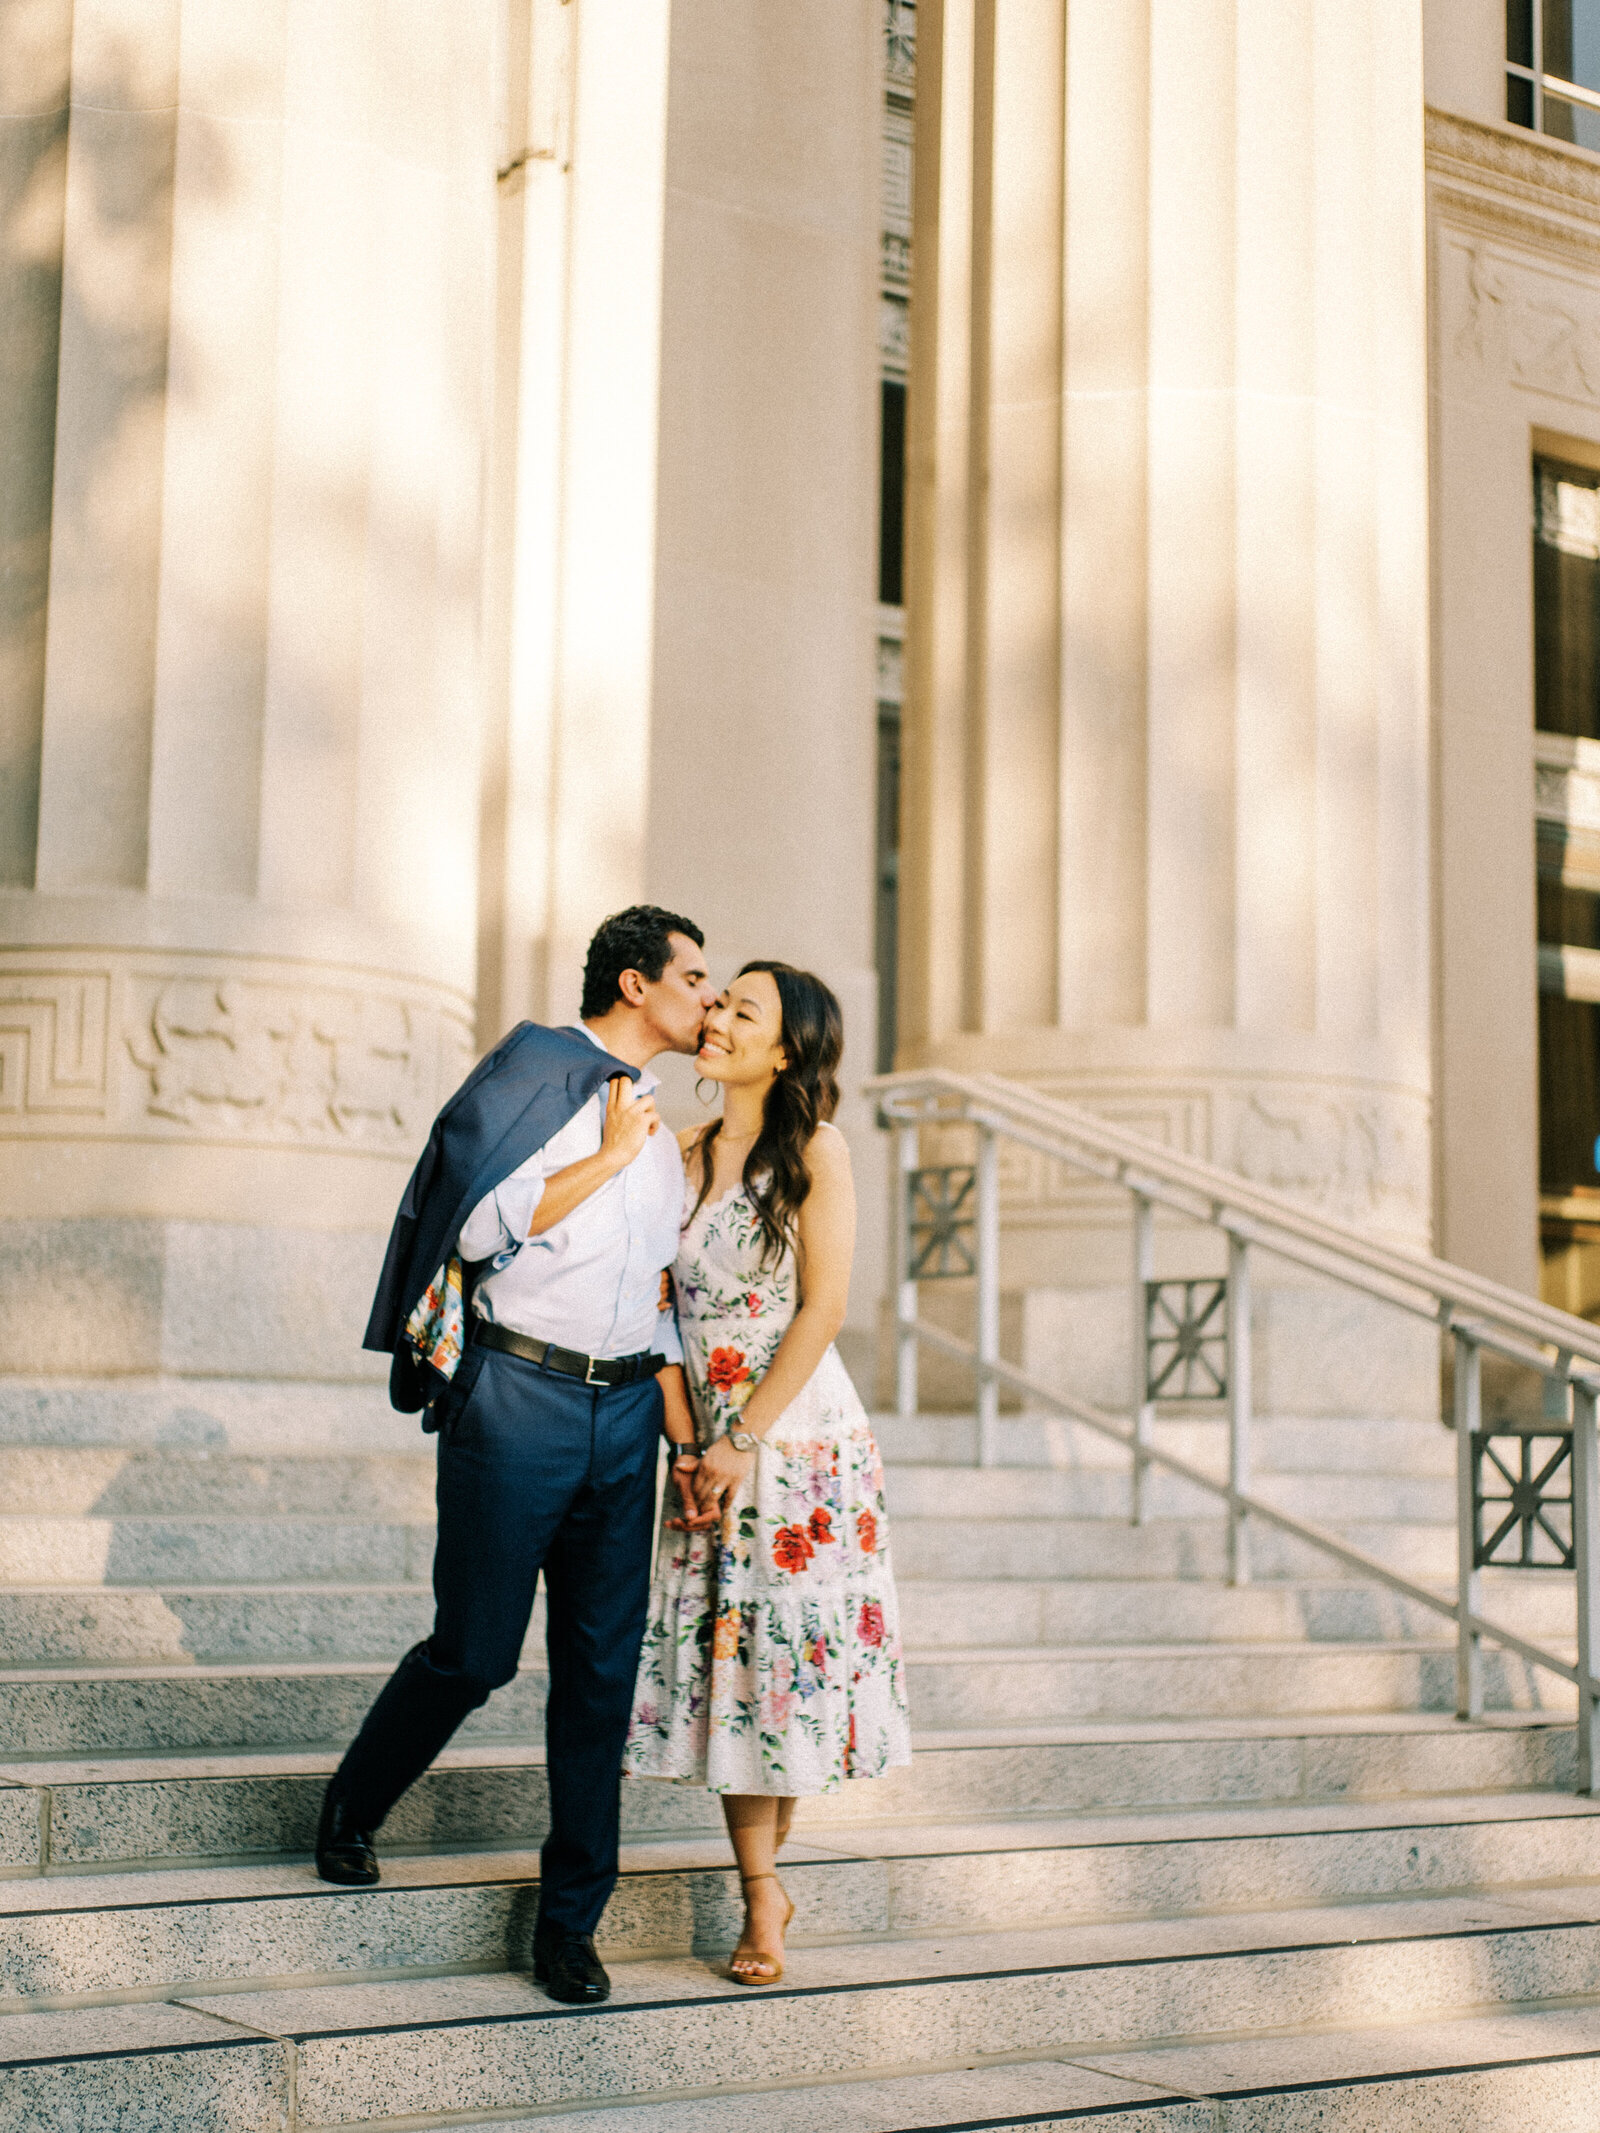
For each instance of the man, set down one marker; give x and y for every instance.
(550, 1175)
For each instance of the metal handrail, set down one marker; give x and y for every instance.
(1477, 1313)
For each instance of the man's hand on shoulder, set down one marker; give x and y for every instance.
(630, 1120)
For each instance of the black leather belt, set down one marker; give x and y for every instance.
(568, 1362)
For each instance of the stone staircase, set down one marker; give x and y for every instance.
(1171, 1856)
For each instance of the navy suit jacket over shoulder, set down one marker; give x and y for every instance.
(511, 1103)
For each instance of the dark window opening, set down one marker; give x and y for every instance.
(1566, 598)
(1519, 32)
(892, 496)
(1572, 42)
(1568, 917)
(1566, 689)
(1569, 1095)
(1553, 68)
(886, 902)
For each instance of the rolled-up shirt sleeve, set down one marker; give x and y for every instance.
(667, 1341)
(501, 1219)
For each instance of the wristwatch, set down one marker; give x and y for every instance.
(742, 1441)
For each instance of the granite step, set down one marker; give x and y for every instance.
(88, 1814)
(78, 1710)
(145, 2068)
(1475, 2073)
(267, 1415)
(985, 1686)
(64, 1938)
(1319, 1445)
(106, 1625)
(995, 1493)
(1111, 1547)
(148, 2068)
(282, 1416)
(104, 1710)
(106, 1482)
(75, 1551)
(56, 1626)
(128, 1625)
(1336, 1499)
(945, 1612)
(69, 1550)
(493, 2043)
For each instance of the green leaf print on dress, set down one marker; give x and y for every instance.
(771, 1659)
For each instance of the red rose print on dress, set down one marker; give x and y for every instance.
(870, 1628)
(791, 1548)
(867, 1532)
(725, 1367)
(820, 1526)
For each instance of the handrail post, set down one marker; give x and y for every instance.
(1468, 1413)
(1239, 1407)
(1144, 1254)
(905, 1289)
(1586, 1562)
(988, 1265)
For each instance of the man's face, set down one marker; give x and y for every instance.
(677, 1002)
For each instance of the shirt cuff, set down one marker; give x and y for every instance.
(483, 1233)
(667, 1342)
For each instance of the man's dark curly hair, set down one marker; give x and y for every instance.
(635, 939)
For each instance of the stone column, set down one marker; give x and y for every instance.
(1167, 758)
(239, 663)
(685, 567)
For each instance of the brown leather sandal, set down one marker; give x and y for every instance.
(753, 1968)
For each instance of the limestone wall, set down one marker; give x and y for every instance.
(1167, 753)
(249, 253)
(682, 585)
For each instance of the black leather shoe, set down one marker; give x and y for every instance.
(566, 1965)
(344, 1852)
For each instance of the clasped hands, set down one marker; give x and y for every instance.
(705, 1480)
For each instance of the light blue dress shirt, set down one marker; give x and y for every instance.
(592, 1281)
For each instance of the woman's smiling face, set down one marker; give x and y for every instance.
(742, 1043)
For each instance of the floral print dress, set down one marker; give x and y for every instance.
(771, 1660)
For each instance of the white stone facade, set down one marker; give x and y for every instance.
(404, 568)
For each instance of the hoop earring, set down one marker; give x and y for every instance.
(709, 1083)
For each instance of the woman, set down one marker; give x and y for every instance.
(771, 1664)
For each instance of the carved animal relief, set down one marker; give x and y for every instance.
(238, 1058)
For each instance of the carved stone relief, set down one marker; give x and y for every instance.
(238, 1057)
(1359, 1158)
(53, 1028)
(1356, 1155)
(1541, 329)
(227, 1053)
(1032, 1184)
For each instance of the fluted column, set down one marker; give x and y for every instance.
(682, 580)
(241, 686)
(1167, 761)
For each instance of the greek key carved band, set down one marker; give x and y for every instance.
(224, 1050)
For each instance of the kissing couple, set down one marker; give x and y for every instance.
(526, 1305)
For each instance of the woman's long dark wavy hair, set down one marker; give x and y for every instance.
(800, 1099)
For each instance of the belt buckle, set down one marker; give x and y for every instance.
(589, 1377)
